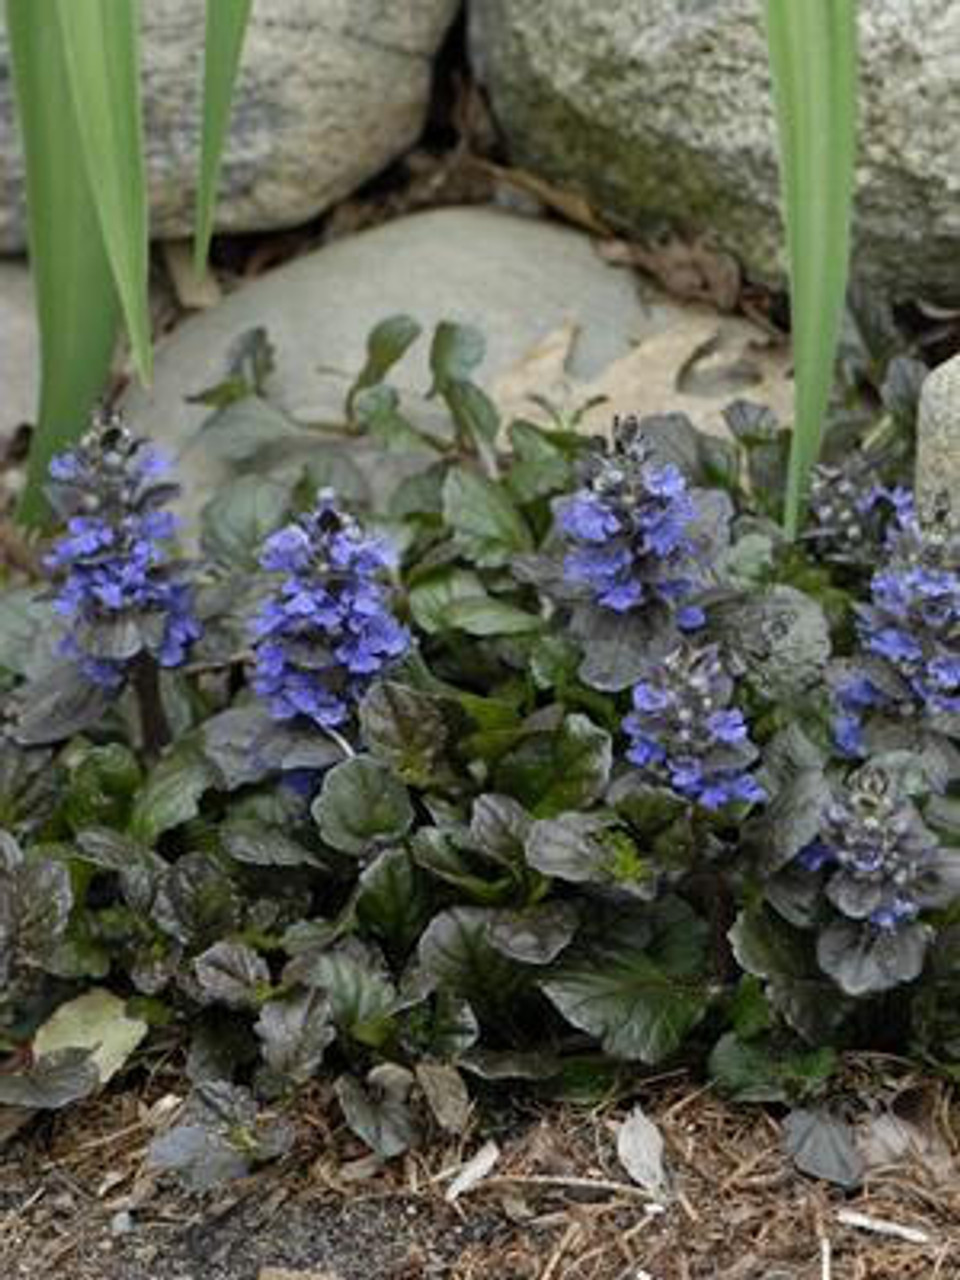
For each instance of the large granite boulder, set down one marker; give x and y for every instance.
(19, 348)
(329, 92)
(660, 111)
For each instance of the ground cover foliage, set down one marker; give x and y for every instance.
(557, 759)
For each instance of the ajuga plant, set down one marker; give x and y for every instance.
(499, 750)
(125, 602)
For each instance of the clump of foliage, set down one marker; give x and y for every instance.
(488, 751)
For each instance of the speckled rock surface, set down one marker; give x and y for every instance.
(660, 110)
(938, 439)
(19, 348)
(329, 92)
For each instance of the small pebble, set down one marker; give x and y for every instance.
(121, 1223)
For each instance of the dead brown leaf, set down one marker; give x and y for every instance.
(695, 366)
(691, 270)
(571, 205)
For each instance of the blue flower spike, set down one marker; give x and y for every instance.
(632, 534)
(685, 735)
(121, 593)
(327, 629)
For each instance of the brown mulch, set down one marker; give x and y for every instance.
(79, 1202)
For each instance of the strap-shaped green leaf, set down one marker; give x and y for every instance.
(77, 305)
(813, 56)
(226, 26)
(101, 51)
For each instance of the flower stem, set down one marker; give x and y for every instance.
(154, 725)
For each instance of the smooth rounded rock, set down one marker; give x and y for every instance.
(328, 93)
(659, 111)
(517, 279)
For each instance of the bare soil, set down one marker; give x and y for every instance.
(79, 1202)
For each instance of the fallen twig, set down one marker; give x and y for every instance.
(599, 1185)
(881, 1227)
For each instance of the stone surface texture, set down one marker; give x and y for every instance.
(328, 93)
(938, 440)
(660, 111)
(19, 348)
(539, 292)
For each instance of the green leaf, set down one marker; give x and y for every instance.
(220, 1137)
(393, 901)
(196, 903)
(296, 1031)
(456, 351)
(172, 792)
(362, 997)
(534, 935)
(500, 826)
(435, 594)
(642, 988)
(782, 639)
(475, 415)
(763, 1071)
(486, 616)
(226, 26)
(248, 431)
(259, 844)
(78, 309)
(541, 467)
(51, 1082)
(26, 622)
(406, 728)
(865, 961)
(585, 848)
(449, 855)
(377, 410)
(101, 786)
(813, 57)
(553, 772)
(387, 343)
(244, 745)
(251, 359)
(380, 1114)
(100, 42)
(232, 973)
(456, 952)
(444, 1026)
(362, 804)
(618, 649)
(36, 898)
(240, 515)
(488, 527)
(57, 705)
(96, 1022)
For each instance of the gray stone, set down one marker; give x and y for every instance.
(515, 278)
(329, 92)
(938, 440)
(19, 348)
(660, 111)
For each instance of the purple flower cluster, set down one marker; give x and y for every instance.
(685, 734)
(327, 630)
(909, 632)
(120, 592)
(878, 853)
(851, 514)
(632, 532)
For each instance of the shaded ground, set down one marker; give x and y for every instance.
(77, 1202)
